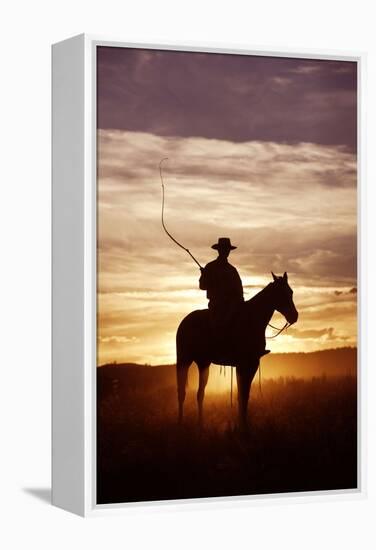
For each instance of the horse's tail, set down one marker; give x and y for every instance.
(183, 362)
(188, 342)
(182, 352)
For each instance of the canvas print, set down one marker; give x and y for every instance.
(226, 275)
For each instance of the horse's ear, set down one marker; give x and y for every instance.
(274, 276)
(285, 276)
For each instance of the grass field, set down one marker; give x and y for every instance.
(303, 437)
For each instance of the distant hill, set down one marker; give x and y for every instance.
(113, 378)
(331, 362)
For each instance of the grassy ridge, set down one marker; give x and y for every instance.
(303, 437)
(129, 376)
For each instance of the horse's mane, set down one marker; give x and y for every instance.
(259, 296)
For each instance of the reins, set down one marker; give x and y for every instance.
(285, 327)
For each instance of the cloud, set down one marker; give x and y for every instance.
(281, 82)
(342, 292)
(307, 69)
(328, 334)
(117, 339)
(313, 333)
(272, 199)
(230, 97)
(275, 201)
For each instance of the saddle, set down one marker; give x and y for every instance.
(230, 341)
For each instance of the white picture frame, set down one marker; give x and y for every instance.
(74, 276)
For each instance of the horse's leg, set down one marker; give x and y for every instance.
(203, 369)
(244, 376)
(181, 376)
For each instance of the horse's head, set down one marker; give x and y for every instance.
(283, 298)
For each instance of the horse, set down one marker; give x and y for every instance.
(245, 343)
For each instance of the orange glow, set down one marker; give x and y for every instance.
(146, 285)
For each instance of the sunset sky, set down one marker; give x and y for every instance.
(261, 150)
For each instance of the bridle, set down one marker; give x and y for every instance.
(279, 330)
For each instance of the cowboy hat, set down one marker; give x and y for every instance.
(223, 243)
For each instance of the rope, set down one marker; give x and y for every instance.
(163, 223)
(231, 384)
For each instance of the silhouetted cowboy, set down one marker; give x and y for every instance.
(223, 286)
(224, 290)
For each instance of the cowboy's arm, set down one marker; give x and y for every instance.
(203, 281)
(241, 292)
(238, 285)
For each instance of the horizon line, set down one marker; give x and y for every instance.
(271, 355)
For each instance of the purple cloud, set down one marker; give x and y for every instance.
(233, 97)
